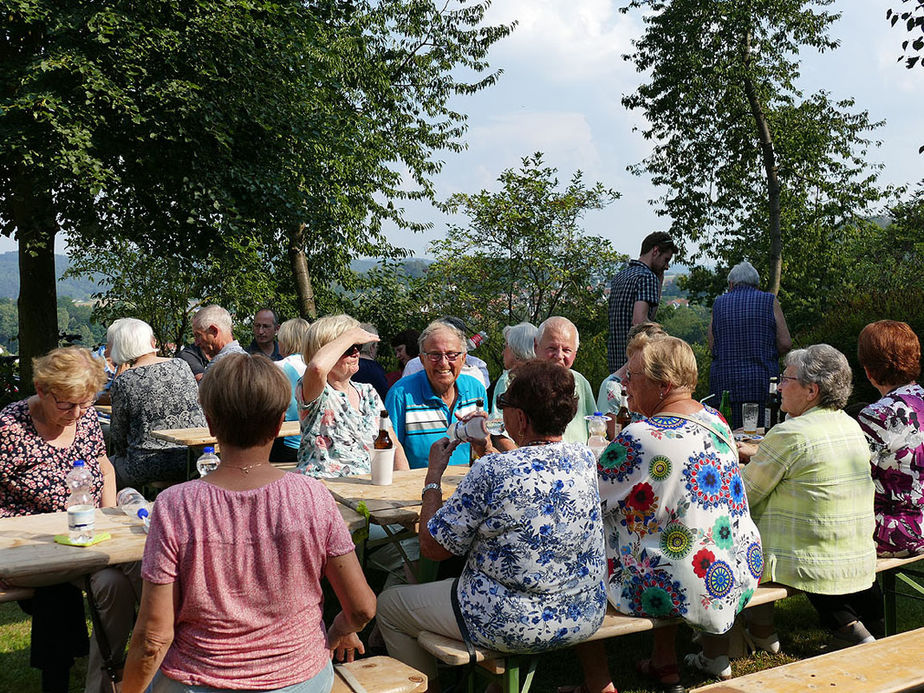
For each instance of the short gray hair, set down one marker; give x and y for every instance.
(827, 368)
(128, 339)
(440, 326)
(368, 349)
(744, 274)
(559, 323)
(521, 339)
(213, 315)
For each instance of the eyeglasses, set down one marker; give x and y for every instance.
(437, 356)
(67, 406)
(352, 351)
(629, 375)
(788, 377)
(503, 402)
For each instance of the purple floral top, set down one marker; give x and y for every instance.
(32, 472)
(893, 426)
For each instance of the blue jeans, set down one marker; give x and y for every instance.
(321, 682)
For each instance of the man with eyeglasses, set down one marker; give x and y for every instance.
(473, 365)
(212, 331)
(422, 405)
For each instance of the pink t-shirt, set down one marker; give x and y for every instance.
(249, 565)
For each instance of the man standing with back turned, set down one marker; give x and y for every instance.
(635, 293)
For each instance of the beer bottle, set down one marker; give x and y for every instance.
(772, 408)
(383, 440)
(623, 416)
(725, 408)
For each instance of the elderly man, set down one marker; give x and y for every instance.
(212, 330)
(265, 329)
(473, 365)
(557, 341)
(635, 293)
(748, 335)
(422, 405)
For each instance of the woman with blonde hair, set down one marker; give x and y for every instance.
(340, 418)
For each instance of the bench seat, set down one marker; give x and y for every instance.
(377, 675)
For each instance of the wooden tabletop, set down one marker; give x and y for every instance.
(201, 436)
(30, 557)
(103, 409)
(398, 502)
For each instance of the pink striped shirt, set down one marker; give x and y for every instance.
(249, 565)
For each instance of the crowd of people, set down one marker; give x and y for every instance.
(676, 518)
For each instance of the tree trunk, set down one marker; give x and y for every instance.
(38, 298)
(303, 290)
(773, 181)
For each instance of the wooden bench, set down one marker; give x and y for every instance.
(884, 666)
(377, 675)
(14, 594)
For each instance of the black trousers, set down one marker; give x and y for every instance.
(838, 610)
(59, 633)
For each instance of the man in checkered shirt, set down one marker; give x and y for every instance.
(635, 293)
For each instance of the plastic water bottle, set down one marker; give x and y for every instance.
(596, 426)
(208, 461)
(81, 509)
(132, 503)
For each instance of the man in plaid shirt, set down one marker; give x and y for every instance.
(635, 293)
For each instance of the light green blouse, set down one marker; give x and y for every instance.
(811, 495)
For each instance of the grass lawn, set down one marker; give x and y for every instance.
(797, 624)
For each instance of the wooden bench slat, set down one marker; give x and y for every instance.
(380, 675)
(887, 665)
(14, 594)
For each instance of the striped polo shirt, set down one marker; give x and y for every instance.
(421, 418)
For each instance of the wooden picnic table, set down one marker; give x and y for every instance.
(194, 437)
(397, 503)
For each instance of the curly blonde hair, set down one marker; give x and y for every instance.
(72, 373)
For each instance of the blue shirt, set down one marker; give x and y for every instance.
(421, 418)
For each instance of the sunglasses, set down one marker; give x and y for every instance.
(503, 402)
(352, 351)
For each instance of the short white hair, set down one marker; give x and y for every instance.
(440, 326)
(369, 348)
(128, 339)
(213, 315)
(557, 322)
(744, 274)
(521, 339)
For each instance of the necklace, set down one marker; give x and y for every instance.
(540, 442)
(246, 468)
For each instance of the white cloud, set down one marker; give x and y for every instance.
(576, 41)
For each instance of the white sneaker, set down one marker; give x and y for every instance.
(770, 643)
(717, 666)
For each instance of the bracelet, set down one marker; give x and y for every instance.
(431, 487)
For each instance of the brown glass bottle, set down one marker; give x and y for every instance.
(623, 416)
(383, 440)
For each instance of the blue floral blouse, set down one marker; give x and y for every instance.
(679, 538)
(529, 523)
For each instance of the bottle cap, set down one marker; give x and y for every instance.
(142, 513)
(208, 449)
(79, 463)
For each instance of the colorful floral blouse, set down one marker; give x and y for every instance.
(32, 472)
(679, 538)
(336, 438)
(528, 522)
(893, 426)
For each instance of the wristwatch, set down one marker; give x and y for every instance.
(431, 487)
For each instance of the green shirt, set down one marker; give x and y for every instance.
(811, 495)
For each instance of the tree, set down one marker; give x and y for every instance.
(913, 21)
(748, 162)
(523, 255)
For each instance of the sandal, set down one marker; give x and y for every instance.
(770, 644)
(716, 666)
(658, 674)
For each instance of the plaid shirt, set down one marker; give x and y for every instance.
(635, 283)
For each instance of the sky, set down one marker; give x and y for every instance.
(563, 79)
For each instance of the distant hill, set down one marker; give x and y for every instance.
(414, 266)
(78, 289)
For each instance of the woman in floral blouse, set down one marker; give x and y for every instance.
(340, 418)
(679, 537)
(890, 353)
(528, 524)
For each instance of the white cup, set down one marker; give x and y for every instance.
(383, 464)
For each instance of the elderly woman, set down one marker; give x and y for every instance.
(233, 562)
(747, 335)
(679, 538)
(340, 418)
(811, 495)
(291, 337)
(150, 393)
(890, 353)
(528, 523)
(519, 347)
(40, 438)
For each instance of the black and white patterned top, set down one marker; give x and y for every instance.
(635, 283)
(149, 398)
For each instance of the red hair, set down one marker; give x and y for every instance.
(890, 352)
